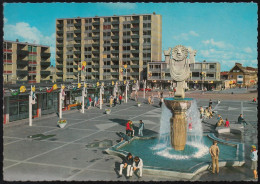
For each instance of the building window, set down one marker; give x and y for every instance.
(126, 33)
(106, 27)
(126, 26)
(210, 75)
(147, 25)
(195, 74)
(147, 40)
(127, 18)
(147, 33)
(107, 19)
(211, 66)
(147, 17)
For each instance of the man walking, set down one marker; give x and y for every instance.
(127, 163)
(141, 128)
(214, 152)
(138, 164)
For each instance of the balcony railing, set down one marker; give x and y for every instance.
(45, 54)
(22, 52)
(22, 72)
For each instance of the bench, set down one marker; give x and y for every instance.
(223, 130)
(234, 128)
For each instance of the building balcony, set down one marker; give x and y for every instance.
(95, 59)
(95, 23)
(134, 73)
(135, 59)
(45, 72)
(115, 22)
(147, 28)
(7, 50)
(59, 52)
(77, 38)
(96, 52)
(60, 32)
(114, 51)
(76, 59)
(96, 44)
(22, 72)
(115, 30)
(134, 66)
(95, 30)
(114, 66)
(60, 25)
(60, 45)
(135, 43)
(59, 73)
(21, 62)
(59, 66)
(95, 66)
(59, 39)
(77, 24)
(77, 52)
(95, 37)
(22, 52)
(135, 51)
(46, 54)
(115, 37)
(77, 45)
(147, 58)
(77, 31)
(114, 44)
(45, 63)
(69, 59)
(135, 29)
(114, 58)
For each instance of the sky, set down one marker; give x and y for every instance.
(220, 32)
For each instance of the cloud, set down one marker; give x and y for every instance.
(26, 33)
(5, 20)
(186, 36)
(193, 33)
(121, 5)
(219, 44)
(248, 50)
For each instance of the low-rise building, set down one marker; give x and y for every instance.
(203, 74)
(25, 62)
(243, 76)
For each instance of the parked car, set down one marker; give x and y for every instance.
(146, 89)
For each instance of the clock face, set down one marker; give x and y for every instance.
(179, 53)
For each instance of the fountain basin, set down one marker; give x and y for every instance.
(180, 164)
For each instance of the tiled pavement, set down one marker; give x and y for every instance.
(77, 151)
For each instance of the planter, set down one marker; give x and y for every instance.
(108, 111)
(62, 124)
(139, 105)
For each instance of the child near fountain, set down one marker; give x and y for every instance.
(227, 123)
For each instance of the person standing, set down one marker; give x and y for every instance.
(161, 101)
(152, 99)
(111, 100)
(201, 112)
(129, 128)
(96, 101)
(127, 163)
(214, 152)
(227, 124)
(210, 102)
(114, 101)
(137, 164)
(141, 128)
(90, 101)
(254, 159)
(120, 99)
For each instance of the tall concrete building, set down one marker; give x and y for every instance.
(25, 62)
(107, 44)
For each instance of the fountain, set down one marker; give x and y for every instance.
(180, 71)
(181, 150)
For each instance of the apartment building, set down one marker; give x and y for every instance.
(203, 74)
(25, 62)
(107, 44)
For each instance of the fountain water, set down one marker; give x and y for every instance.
(194, 148)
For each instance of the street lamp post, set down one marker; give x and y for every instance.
(84, 94)
(144, 87)
(100, 94)
(31, 102)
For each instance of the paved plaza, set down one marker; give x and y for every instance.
(76, 152)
